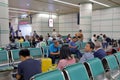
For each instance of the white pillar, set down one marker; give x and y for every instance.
(86, 19)
(14, 23)
(4, 23)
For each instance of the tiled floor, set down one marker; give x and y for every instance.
(5, 76)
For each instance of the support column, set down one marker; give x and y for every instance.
(14, 23)
(4, 23)
(86, 20)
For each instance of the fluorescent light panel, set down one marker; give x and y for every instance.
(47, 15)
(16, 11)
(23, 10)
(66, 3)
(99, 3)
(24, 15)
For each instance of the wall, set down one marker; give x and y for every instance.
(14, 23)
(107, 21)
(4, 23)
(40, 24)
(68, 24)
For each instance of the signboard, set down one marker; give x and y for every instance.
(50, 22)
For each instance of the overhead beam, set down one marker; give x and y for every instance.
(114, 2)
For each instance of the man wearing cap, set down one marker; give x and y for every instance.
(54, 50)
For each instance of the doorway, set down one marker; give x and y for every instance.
(25, 29)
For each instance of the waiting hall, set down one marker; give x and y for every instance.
(59, 40)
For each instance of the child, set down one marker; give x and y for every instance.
(89, 54)
(65, 57)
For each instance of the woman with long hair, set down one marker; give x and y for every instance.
(65, 58)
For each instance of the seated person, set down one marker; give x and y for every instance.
(59, 38)
(99, 52)
(41, 43)
(88, 52)
(54, 49)
(65, 57)
(68, 39)
(73, 48)
(12, 44)
(21, 39)
(110, 50)
(28, 67)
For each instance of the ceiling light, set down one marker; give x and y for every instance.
(66, 3)
(99, 3)
(16, 11)
(47, 15)
(28, 4)
(57, 9)
(24, 15)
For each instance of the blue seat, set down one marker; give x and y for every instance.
(96, 69)
(79, 45)
(49, 42)
(15, 56)
(76, 72)
(25, 45)
(64, 37)
(117, 55)
(4, 61)
(45, 51)
(113, 67)
(35, 52)
(51, 75)
(83, 45)
(18, 44)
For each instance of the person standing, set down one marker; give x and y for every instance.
(94, 39)
(54, 33)
(19, 33)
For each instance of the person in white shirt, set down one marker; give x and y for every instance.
(41, 43)
(19, 33)
(54, 33)
(93, 39)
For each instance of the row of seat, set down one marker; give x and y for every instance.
(95, 69)
(23, 44)
(80, 45)
(9, 59)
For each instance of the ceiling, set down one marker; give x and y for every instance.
(18, 7)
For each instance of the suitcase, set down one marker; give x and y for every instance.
(46, 63)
